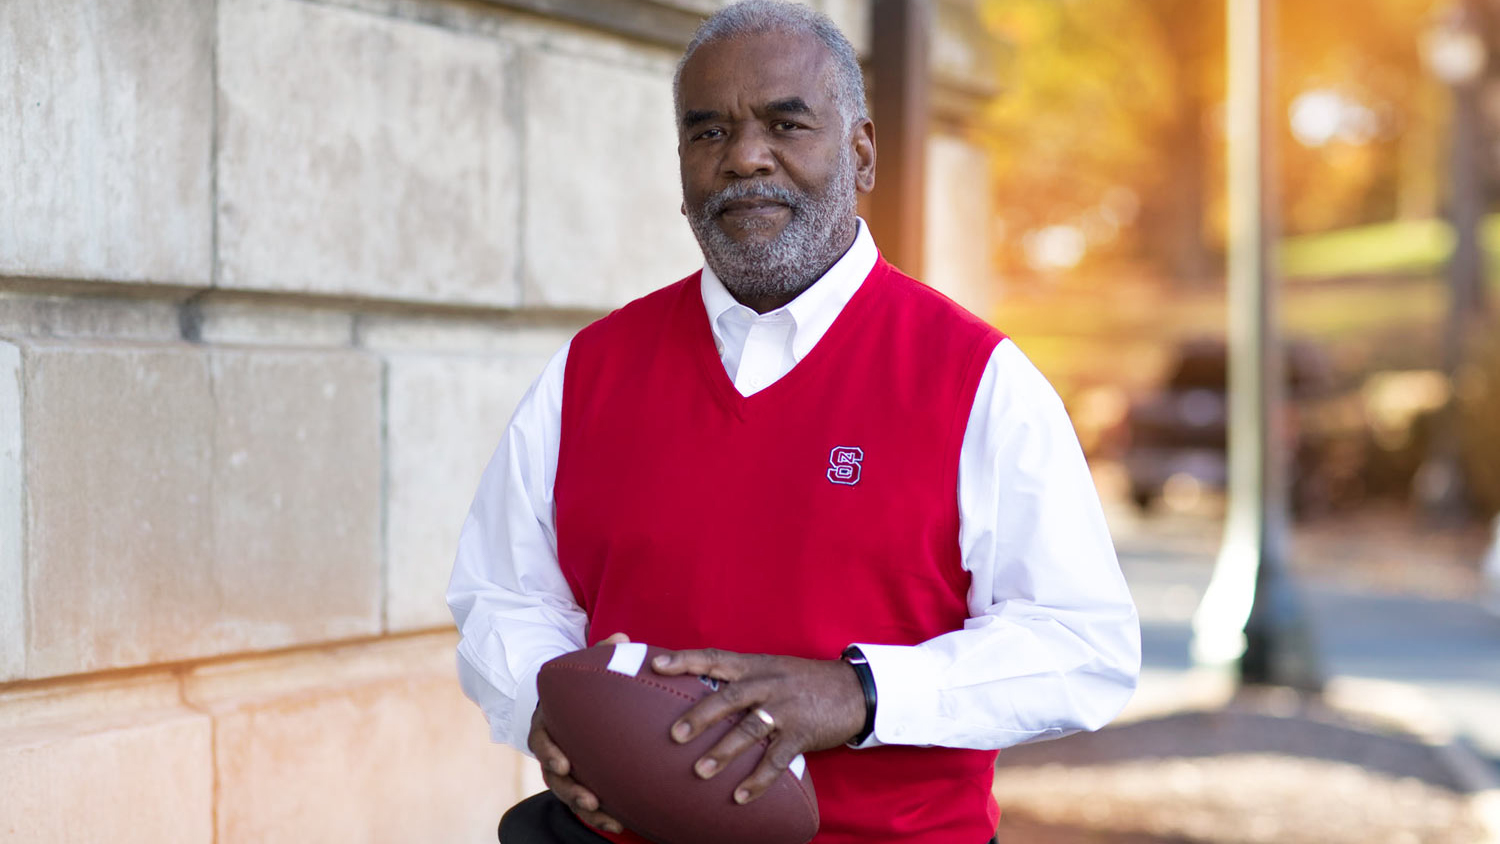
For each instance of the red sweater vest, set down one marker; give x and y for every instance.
(820, 511)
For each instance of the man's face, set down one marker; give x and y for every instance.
(769, 172)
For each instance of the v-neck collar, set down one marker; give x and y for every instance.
(811, 313)
(712, 367)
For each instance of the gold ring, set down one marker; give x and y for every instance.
(765, 718)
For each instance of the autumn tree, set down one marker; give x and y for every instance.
(1110, 124)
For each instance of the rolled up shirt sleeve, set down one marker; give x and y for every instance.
(513, 608)
(1052, 645)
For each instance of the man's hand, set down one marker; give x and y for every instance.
(815, 704)
(556, 769)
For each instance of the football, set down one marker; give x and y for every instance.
(610, 714)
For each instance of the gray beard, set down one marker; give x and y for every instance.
(821, 228)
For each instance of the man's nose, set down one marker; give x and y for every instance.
(749, 154)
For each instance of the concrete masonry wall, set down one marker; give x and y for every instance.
(273, 274)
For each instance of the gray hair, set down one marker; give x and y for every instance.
(754, 17)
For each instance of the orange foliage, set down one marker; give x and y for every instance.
(1110, 124)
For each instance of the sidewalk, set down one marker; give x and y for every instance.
(1387, 754)
(1266, 767)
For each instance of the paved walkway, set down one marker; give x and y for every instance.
(1385, 604)
(1384, 756)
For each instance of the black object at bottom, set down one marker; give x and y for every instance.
(543, 819)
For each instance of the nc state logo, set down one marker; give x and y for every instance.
(843, 464)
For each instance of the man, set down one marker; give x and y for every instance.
(810, 475)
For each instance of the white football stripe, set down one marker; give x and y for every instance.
(628, 658)
(798, 766)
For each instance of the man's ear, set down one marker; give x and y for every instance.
(863, 139)
(683, 208)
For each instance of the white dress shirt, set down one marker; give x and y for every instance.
(1052, 645)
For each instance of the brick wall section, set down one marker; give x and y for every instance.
(106, 129)
(273, 275)
(185, 501)
(363, 155)
(110, 759)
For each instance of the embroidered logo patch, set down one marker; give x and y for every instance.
(843, 464)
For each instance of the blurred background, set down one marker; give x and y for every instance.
(1111, 209)
(273, 274)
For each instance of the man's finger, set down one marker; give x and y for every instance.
(709, 662)
(580, 800)
(746, 735)
(556, 769)
(711, 709)
(567, 789)
(599, 820)
(546, 751)
(778, 756)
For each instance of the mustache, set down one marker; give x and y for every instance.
(715, 203)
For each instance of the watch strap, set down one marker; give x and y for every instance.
(856, 659)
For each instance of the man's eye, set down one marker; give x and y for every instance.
(785, 126)
(709, 134)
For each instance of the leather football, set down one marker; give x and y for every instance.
(610, 714)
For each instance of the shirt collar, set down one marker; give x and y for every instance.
(814, 309)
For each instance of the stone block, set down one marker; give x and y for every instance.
(89, 704)
(106, 132)
(603, 193)
(127, 765)
(373, 744)
(444, 416)
(248, 322)
(519, 334)
(296, 486)
(12, 522)
(380, 158)
(88, 311)
(700, 7)
(182, 504)
(119, 567)
(960, 224)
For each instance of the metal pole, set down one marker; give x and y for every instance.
(1441, 485)
(899, 79)
(1467, 265)
(1457, 56)
(1250, 611)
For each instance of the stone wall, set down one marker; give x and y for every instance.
(273, 274)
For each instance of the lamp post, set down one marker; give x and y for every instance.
(1251, 612)
(1456, 55)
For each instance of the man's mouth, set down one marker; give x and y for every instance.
(752, 207)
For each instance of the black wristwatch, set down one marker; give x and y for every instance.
(856, 659)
